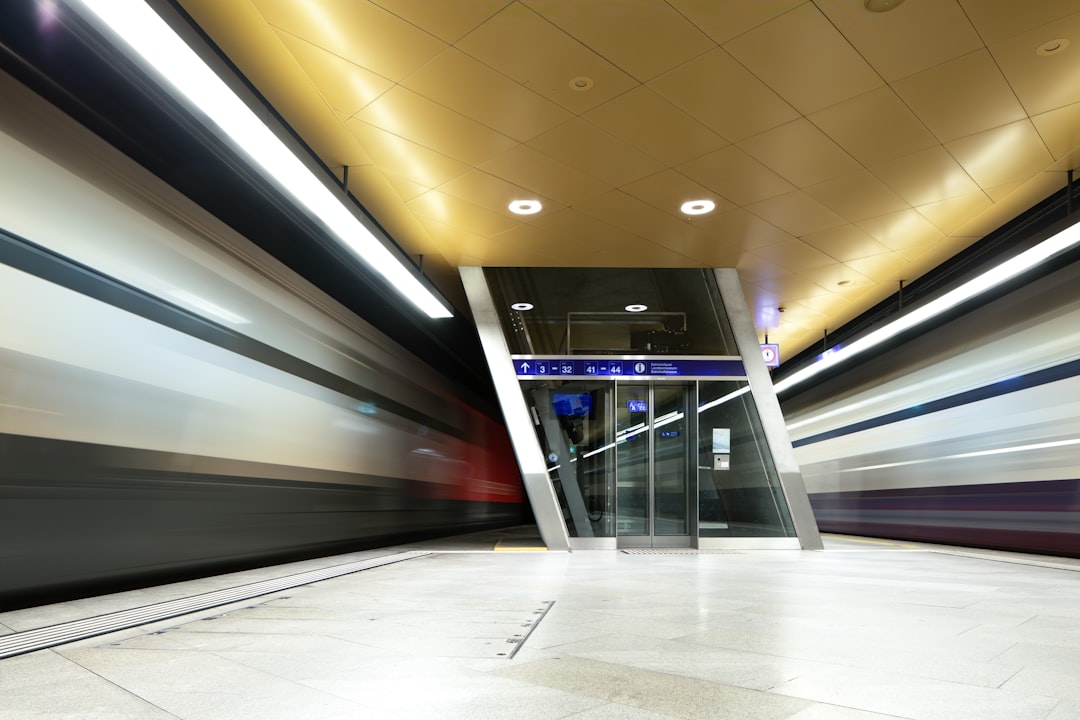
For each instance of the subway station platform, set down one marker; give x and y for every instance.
(491, 626)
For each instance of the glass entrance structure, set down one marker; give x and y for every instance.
(639, 416)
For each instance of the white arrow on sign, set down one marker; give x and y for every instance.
(525, 368)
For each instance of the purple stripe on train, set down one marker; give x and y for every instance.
(1039, 517)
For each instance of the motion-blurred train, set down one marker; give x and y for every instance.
(967, 435)
(174, 401)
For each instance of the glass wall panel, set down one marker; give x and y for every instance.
(632, 433)
(575, 430)
(583, 311)
(673, 427)
(739, 492)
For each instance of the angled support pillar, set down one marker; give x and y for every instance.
(530, 456)
(772, 420)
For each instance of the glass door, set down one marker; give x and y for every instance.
(654, 449)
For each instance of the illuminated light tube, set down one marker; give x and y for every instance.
(155, 42)
(1007, 270)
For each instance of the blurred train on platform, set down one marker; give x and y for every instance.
(176, 402)
(968, 434)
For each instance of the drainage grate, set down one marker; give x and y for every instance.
(518, 640)
(53, 635)
(679, 551)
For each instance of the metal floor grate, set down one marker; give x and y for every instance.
(679, 551)
(53, 635)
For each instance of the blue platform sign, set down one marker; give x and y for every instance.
(578, 367)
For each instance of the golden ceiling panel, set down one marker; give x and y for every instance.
(736, 176)
(865, 143)
(488, 191)
(460, 213)
(845, 243)
(875, 127)
(723, 20)
(540, 56)
(857, 196)
(998, 19)
(668, 190)
(887, 269)
(361, 32)
(1060, 129)
(427, 123)
(1042, 79)
(758, 109)
(590, 233)
(645, 43)
(478, 92)
(399, 157)
(1004, 154)
(796, 213)
(926, 177)
(448, 21)
(951, 215)
(347, 87)
(911, 38)
(623, 211)
(961, 97)
(803, 57)
(535, 171)
(800, 153)
(905, 232)
(633, 117)
(740, 229)
(587, 148)
(793, 255)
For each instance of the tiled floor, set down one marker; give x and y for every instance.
(863, 630)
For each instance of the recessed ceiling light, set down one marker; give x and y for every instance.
(581, 83)
(525, 207)
(882, 5)
(522, 306)
(1052, 47)
(698, 207)
(636, 308)
(846, 283)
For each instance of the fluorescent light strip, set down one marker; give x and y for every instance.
(967, 455)
(1009, 269)
(151, 37)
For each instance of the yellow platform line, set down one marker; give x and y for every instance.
(498, 548)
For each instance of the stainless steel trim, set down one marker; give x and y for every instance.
(772, 419)
(530, 456)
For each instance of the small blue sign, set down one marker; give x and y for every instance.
(636, 406)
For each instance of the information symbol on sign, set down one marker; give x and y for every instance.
(566, 368)
(639, 368)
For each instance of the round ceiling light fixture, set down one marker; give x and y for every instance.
(525, 207)
(522, 306)
(882, 5)
(1052, 47)
(636, 308)
(581, 83)
(697, 207)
